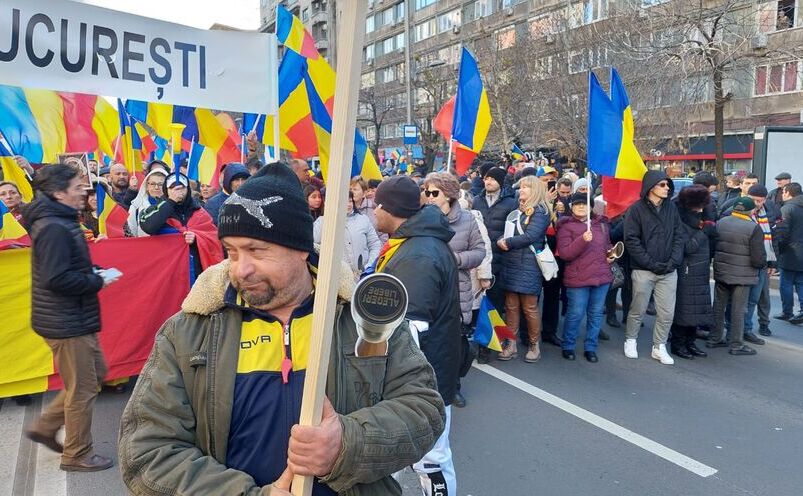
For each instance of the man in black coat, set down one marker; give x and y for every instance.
(654, 239)
(418, 254)
(739, 256)
(790, 254)
(66, 313)
(494, 202)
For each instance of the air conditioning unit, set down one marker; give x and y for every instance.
(509, 11)
(758, 41)
(456, 29)
(550, 39)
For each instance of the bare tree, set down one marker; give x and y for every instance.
(373, 111)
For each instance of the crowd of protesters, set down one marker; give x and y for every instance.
(534, 238)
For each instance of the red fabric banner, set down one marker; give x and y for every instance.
(619, 194)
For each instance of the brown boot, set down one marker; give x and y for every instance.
(91, 463)
(509, 352)
(533, 353)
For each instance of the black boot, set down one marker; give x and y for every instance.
(613, 322)
(681, 352)
(694, 350)
(483, 355)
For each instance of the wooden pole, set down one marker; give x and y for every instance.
(351, 19)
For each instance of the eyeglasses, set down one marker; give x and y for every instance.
(662, 184)
(432, 193)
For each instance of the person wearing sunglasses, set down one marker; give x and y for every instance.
(654, 239)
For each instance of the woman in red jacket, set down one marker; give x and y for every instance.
(587, 276)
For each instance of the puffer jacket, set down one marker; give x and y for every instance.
(483, 271)
(64, 300)
(790, 235)
(174, 430)
(693, 300)
(426, 266)
(586, 262)
(495, 216)
(740, 251)
(520, 272)
(362, 244)
(469, 250)
(653, 236)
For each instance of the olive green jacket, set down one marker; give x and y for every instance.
(175, 428)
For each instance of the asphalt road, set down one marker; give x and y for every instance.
(720, 425)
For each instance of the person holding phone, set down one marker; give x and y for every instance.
(65, 311)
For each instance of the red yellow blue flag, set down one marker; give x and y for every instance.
(516, 152)
(472, 113)
(12, 234)
(111, 216)
(491, 330)
(13, 173)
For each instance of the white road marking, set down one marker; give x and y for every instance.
(50, 479)
(11, 419)
(617, 430)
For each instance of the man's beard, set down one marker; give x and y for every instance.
(256, 299)
(121, 183)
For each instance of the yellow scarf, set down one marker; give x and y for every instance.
(388, 250)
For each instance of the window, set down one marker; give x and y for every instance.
(448, 20)
(478, 9)
(370, 133)
(305, 15)
(450, 54)
(399, 40)
(506, 38)
(776, 15)
(420, 4)
(425, 30)
(594, 10)
(391, 73)
(542, 26)
(510, 3)
(587, 58)
(368, 52)
(779, 78)
(387, 45)
(363, 108)
(543, 67)
(400, 11)
(369, 24)
(387, 17)
(367, 80)
(388, 131)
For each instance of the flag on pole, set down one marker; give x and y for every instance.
(443, 125)
(111, 216)
(13, 173)
(472, 113)
(491, 330)
(318, 79)
(12, 234)
(516, 152)
(611, 150)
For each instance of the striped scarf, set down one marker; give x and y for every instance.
(761, 219)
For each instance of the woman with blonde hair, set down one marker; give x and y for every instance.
(521, 277)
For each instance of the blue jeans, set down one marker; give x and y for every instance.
(791, 280)
(587, 301)
(759, 296)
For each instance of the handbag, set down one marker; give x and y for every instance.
(544, 257)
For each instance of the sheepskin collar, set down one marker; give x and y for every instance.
(208, 294)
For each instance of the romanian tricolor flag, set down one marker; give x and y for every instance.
(202, 164)
(130, 143)
(443, 125)
(13, 173)
(472, 114)
(111, 216)
(12, 234)
(611, 150)
(516, 152)
(313, 105)
(491, 330)
(41, 124)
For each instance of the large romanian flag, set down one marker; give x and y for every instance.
(491, 330)
(472, 113)
(111, 216)
(41, 124)
(308, 74)
(611, 150)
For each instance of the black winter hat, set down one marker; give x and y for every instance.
(498, 174)
(582, 198)
(269, 206)
(758, 190)
(399, 196)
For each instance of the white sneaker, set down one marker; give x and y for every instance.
(630, 348)
(659, 353)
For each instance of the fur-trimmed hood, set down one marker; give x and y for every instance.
(207, 295)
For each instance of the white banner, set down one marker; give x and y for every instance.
(68, 46)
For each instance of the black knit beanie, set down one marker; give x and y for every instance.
(498, 174)
(269, 206)
(398, 196)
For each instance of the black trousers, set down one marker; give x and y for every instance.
(682, 336)
(627, 297)
(552, 294)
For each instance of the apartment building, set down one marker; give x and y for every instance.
(409, 44)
